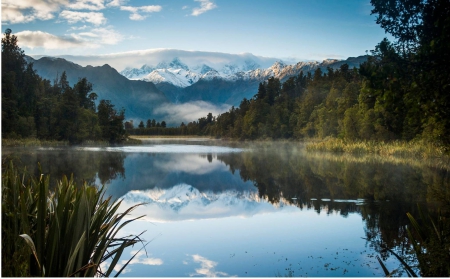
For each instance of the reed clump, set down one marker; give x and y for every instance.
(416, 149)
(70, 231)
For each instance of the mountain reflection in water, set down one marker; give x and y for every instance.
(198, 181)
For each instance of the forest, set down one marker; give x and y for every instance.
(33, 107)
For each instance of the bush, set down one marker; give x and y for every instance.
(66, 232)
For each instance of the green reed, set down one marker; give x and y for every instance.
(70, 231)
(417, 149)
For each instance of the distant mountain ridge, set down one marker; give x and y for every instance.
(143, 90)
(230, 84)
(136, 96)
(179, 74)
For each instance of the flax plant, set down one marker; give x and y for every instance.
(70, 231)
(430, 240)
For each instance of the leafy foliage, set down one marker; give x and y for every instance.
(66, 232)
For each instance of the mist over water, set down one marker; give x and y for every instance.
(215, 208)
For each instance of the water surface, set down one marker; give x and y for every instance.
(220, 209)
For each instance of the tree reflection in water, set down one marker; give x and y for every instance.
(381, 191)
(389, 190)
(83, 165)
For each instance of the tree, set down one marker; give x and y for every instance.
(129, 125)
(163, 124)
(422, 32)
(148, 124)
(111, 121)
(13, 68)
(83, 90)
(141, 124)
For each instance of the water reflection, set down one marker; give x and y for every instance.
(183, 182)
(94, 168)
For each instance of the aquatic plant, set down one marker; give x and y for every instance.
(69, 231)
(430, 240)
(416, 149)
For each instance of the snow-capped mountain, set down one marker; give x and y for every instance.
(137, 74)
(177, 73)
(177, 77)
(180, 75)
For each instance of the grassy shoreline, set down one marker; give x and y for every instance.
(54, 143)
(414, 149)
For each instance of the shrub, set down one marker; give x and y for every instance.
(66, 232)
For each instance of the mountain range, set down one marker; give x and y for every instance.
(228, 84)
(142, 91)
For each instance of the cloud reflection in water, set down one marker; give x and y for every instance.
(207, 268)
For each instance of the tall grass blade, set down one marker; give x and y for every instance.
(70, 231)
(30, 243)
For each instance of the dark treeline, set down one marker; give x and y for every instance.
(152, 127)
(34, 107)
(401, 93)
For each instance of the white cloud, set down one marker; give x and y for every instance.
(136, 16)
(99, 36)
(33, 39)
(94, 5)
(188, 111)
(185, 7)
(135, 11)
(78, 28)
(22, 11)
(207, 267)
(205, 5)
(90, 39)
(91, 17)
(191, 164)
(116, 3)
(141, 258)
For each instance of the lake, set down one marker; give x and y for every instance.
(214, 208)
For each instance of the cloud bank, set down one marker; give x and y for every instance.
(188, 111)
(24, 11)
(33, 39)
(87, 39)
(152, 57)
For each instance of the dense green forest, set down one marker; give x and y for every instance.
(34, 107)
(401, 93)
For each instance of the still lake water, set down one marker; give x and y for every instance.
(219, 209)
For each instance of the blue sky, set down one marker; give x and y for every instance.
(297, 29)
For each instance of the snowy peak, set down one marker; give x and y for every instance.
(179, 74)
(177, 64)
(135, 74)
(278, 67)
(177, 77)
(205, 69)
